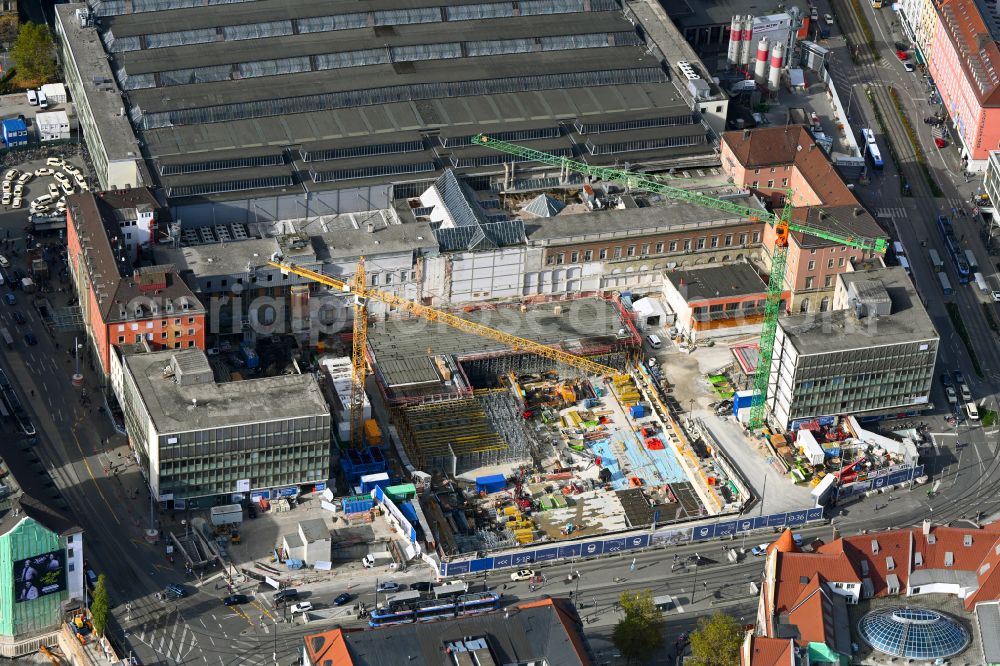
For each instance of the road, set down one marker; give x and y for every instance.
(77, 445)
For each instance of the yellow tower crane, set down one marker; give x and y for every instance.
(363, 293)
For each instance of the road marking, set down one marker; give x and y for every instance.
(86, 464)
(257, 605)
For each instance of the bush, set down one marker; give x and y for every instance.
(959, 324)
(988, 417)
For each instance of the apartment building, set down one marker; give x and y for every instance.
(122, 302)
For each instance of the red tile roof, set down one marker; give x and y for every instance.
(766, 651)
(812, 613)
(795, 570)
(977, 50)
(784, 544)
(328, 649)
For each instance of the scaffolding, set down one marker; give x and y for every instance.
(504, 412)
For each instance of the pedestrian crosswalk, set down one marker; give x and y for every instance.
(898, 211)
(167, 634)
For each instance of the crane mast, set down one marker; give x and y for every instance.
(782, 224)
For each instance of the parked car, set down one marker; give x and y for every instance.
(902, 55)
(4, 263)
(43, 171)
(53, 190)
(55, 162)
(523, 574)
(302, 607)
(16, 203)
(235, 599)
(342, 599)
(387, 586)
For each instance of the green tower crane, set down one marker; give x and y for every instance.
(782, 224)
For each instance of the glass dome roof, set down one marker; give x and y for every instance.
(914, 633)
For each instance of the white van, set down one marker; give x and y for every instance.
(972, 411)
(43, 101)
(654, 341)
(32, 98)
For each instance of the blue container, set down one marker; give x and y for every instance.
(493, 483)
(638, 411)
(250, 355)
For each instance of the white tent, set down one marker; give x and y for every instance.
(650, 312)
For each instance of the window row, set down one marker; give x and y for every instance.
(361, 151)
(220, 165)
(370, 172)
(403, 93)
(645, 144)
(535, 134)
(364, 58)
(316, 24)
(228, 186)
(623, 125)
(649, 249)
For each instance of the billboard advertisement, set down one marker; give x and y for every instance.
(39, 576)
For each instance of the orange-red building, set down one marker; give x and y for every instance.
(717, 300)
(772, 160)
(121, 302)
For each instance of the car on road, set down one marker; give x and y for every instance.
(387, 586)
(302, 607)
(902, 55)
(342, 599)
(4, 263)
(523, 574)
(966, 393)
(43, 171)
(176, 590)
(422, 586)
(828, 19)
(945, 379)
(288, 594)
(959, 377)
(30, 339)
(759, 551)
(908, 66)
(996, 296)
(950, 394)
(10, 298)
(18, 317)
(235, 599)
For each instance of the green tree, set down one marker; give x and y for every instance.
(8, 29)
(716, 641)
(637, 635)
(34, 55)
(100, 607)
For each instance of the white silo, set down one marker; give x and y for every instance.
(760, 64)
(774, 76)
(735, 37)
(746, 45)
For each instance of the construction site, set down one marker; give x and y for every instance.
(523, 450)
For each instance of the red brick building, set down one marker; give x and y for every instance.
(772, 160)
(121, 302)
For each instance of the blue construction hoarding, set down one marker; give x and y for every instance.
(877, 480)
(666, 536)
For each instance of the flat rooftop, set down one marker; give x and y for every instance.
(656, 215)
(177, 408)
(98, 82)
(690, 14)
(841, 330)
(403, 350)
(717, 282)
(209, 81)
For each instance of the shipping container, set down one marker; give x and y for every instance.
(945, 284)
(936, 262)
